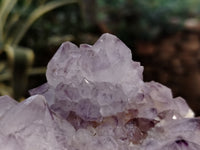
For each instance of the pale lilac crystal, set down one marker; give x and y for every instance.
(106, 76)
(6, 103)
(157, 99)
(108, 60)
(180, 134)
(95, 98)
(31, 125)
(46, 90)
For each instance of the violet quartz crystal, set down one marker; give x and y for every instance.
(95, 99)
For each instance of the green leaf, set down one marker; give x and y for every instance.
(5, 9)
(21, 60)
(38, 12)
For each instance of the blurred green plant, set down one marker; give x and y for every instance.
(16, 17)
(145, 19)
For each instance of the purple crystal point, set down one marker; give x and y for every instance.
(98, 63)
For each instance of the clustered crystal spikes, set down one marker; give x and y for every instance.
(96, 99)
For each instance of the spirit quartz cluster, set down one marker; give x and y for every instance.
(96, 99)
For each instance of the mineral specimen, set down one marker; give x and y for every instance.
(95, 98)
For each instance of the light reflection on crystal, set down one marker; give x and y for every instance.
(174, 117)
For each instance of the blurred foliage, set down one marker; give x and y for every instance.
(16, 17)
(145, 19)
(25, 26)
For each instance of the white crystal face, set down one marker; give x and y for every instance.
(95, 98)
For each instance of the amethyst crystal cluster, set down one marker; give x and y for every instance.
(95, 98)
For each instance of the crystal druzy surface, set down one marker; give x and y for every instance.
(95, 98)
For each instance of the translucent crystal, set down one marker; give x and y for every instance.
(108, 60)
(6, 103)
(180, 134)
(31, 125)
(106, 76)
(95, 98)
